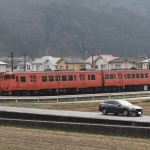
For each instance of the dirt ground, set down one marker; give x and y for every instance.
(12, 138)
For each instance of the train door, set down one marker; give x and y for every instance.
(17, 82)
(82, 79)
(120, 80)
(32, 82)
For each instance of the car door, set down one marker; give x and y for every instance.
(117, 107)
(110, 106)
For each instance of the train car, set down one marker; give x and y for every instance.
(28, 83)
(117, 80)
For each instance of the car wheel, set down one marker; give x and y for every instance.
(104, 111)
(116, 114)
(125, 112)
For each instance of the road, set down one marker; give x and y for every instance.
(94, 115)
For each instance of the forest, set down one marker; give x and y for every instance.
(59, 27)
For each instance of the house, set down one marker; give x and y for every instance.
(71, 64)
(127, 62)
(2, 66)
(45, 63)
(18, 64)
(100, 62)
(146, 63)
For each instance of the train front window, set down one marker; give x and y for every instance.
(6, 77)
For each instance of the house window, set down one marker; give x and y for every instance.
(96, 66)
(83, 66)
(103, 67)
(147, 66)
(22, 79)
(37, 68)
(117, 66)
(61, 67)
(67, 67)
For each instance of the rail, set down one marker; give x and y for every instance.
(75, 97)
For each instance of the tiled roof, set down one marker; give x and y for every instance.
(129, 59)
(74, 60)
(45, 58)
(108, 57)
(90, 59)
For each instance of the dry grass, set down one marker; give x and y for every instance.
(29, 139)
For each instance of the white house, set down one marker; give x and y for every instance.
(2, 66)
(100, 62)
(46, 62)
(146, 64)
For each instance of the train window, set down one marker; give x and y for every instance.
(31, 80)
(57, 78)
(81, 77)
(64, 78)
(114, 76)
(44, 78)
(133, 75)
(75, 77)
(89, 77)
(111, 76)
(137, 76)
(146, 75)
(70, 78)
(92, 77)
(106, 76)
(6, 77)
(128, 76)
(51, 78)
(119, 76)
(142, 75)
(22, 79)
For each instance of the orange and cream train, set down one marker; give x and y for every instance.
(30, 83)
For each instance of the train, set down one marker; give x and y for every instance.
(73, 82)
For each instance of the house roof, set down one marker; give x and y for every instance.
(15, 63)
(107, 57)
(129, 59)
(73, 60)
(89, 60)
(2, 63)
(146, 61)
(45, 58)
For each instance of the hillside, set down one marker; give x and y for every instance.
(57, 28)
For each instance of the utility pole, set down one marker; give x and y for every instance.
(25, 51)
(83, 48)
(149, 62)
(12, 61)
(92, 60)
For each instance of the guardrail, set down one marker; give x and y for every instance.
(74, 97)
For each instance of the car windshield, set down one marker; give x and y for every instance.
(125, 103)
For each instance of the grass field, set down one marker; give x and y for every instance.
(27, 139)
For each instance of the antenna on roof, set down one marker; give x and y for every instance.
(25, 51)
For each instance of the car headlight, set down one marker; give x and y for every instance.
(132, 108)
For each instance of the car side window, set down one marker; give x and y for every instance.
(116, 103)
